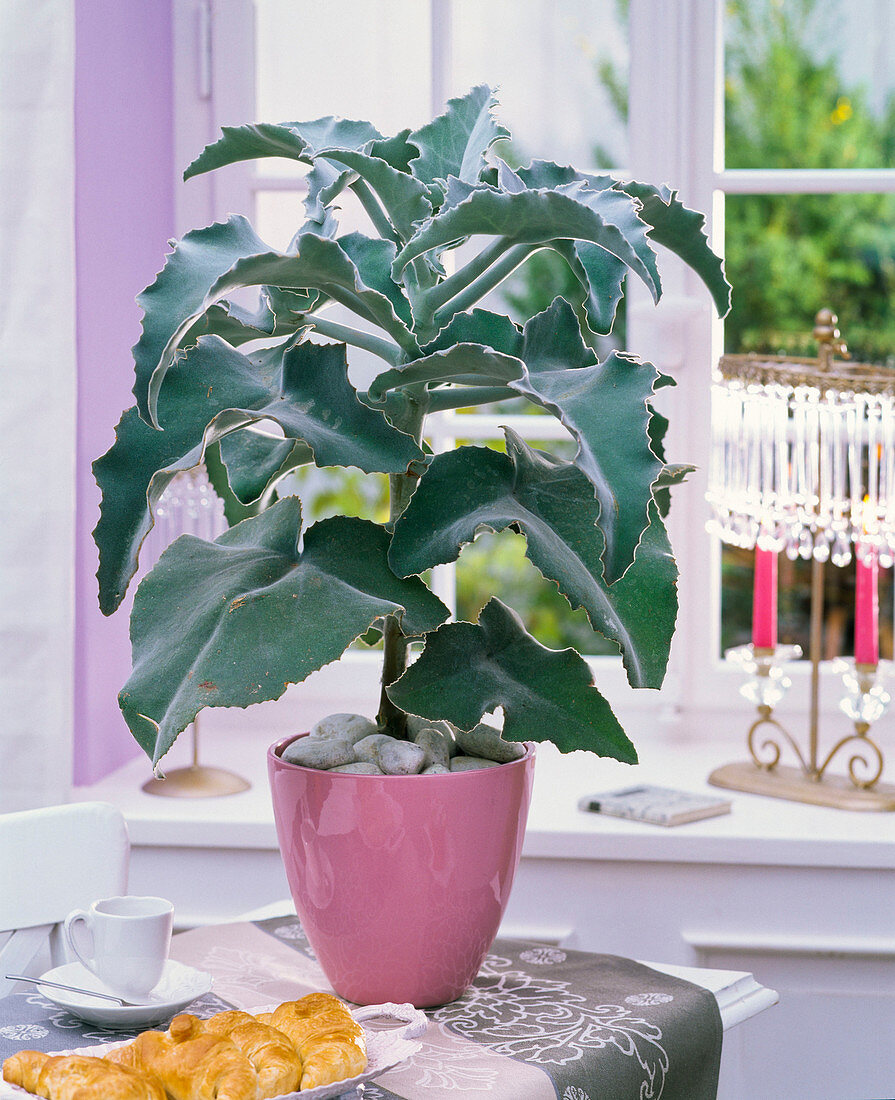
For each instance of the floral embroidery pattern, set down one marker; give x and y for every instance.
(543, 956)
(23, 1033)
(648, 999)
(541, 1021)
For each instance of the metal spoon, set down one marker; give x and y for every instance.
(74, 989)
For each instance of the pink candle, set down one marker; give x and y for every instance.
(764, 600)
(866, 606)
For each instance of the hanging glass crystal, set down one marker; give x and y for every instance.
(803, 451)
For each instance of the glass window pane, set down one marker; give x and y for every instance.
(787, 256)
(361, 59)
(809, 83)
(561, 73)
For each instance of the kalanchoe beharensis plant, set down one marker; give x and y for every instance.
(235, 621)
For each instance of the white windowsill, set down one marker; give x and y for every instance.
(758, 830)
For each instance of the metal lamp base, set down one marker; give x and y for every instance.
(197, 781)
(794, 785)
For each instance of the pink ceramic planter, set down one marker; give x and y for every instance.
(400, 882)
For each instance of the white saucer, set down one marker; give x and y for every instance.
(178, 987)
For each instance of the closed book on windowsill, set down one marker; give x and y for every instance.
(655, 805)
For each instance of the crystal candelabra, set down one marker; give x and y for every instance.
(189, 506)
(803, 462)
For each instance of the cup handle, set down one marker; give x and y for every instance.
(68, 925)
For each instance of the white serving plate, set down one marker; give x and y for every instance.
(386, 1048)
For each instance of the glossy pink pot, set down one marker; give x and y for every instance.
(400, 882)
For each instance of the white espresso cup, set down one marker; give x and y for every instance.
(130, 937)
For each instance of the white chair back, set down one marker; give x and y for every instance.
(54, 860)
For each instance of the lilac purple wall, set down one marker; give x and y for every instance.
(124, 213)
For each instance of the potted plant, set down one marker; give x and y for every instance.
(235, 621)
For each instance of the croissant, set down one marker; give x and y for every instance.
(333, 1054)
(276, 1061)
(77, 1077)
(206, 1067)
(328, 1038)
(296, 1019)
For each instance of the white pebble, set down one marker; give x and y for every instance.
(343, 727)
(318, 754)
(471, 763)
(485, 741)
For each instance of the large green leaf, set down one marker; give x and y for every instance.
(601, 277)
(373, 257)
(254, 614)
(479, 326)
(215, 390)
(537, 218)
(455, 143)
(293, 140)
(606, 407)
(255, 461)
(552, 503)
(320, 263)
(469, 669)
(404, 198)
(682, 231)
(176, 300)
(462, 364)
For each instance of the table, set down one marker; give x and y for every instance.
(539, 1022)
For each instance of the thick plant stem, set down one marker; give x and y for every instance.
(391, 719)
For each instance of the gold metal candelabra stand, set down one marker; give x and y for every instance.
(803, 460)
(810, 781)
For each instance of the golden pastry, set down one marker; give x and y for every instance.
(328, 1038)
(78, 1077)
(275, 1059)
(206, 1067)
(333, 1054)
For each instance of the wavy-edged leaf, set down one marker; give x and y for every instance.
(293, 140)
(601, 277)
(214, 390)
(324, 182)
(534, 218)
(682, 231)
(176, 300)
(551, 340)
(469, 669)
(320, 263)
(455, 143)
(626, 217)
(373, 257)
(404, 198)
(606, 408)
(396, 151)
(547, 173)
(479, 326)
(254, 615)
(462, 364)
(552, 503)
(255, 461)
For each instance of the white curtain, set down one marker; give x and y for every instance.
(37, 400)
